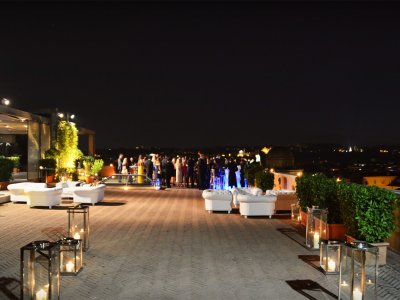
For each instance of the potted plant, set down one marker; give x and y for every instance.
(88, 162)
(6, 169)
(48, 165)
(97, 166)
(250, 173)
(321, 191)
(369, 214)
(264, 180)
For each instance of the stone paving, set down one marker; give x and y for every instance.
(148, 244)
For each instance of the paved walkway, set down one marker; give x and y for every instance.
(148, 244)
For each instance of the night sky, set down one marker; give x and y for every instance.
(187, 74)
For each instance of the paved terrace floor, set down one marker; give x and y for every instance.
(148, 244)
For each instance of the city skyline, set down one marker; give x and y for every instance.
(175, 74)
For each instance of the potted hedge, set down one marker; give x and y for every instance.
(264, 180)
(369, 214)
(250, 173)
(6, 169)
(319, 190)
(49, 165)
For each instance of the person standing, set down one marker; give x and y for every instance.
(190, 171)
(119, 165)
(169, 172)
(232, 167)
(178, 172)
(202, 169)
(149, 168)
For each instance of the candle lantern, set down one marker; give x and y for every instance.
(78, 224)
(40, 271)
(329, 257)
(316, 226)
(295, 212)
(71, 256)
(358, 271)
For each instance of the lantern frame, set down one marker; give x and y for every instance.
(295, 212)
(40, 271)
(316, 226)
(330, 256)
(78, 224)
(71, 256)
(358, 277)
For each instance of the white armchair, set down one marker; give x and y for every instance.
(244, 191)
(44, 197)
(256, 205)
(89, 194)
(217, 200)
(18, 190)
(68, 188)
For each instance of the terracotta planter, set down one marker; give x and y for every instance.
(89, 179)
(381, 246)
(303, 218)
(3, 185)
(107, 171)
(337, 232)
(49, 178)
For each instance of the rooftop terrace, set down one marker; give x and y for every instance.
(147, 244)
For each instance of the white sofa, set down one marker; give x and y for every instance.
(18, 190)
(244, 191)
(68, 187)
(44, 196)
(217, 200)
(89, 194)
(256, 205)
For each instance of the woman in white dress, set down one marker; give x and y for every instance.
(178, 173)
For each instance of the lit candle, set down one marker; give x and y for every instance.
(316, 240)
(344, 283)
(77, 236)
(369, 282)
(298, 218)
(41, 295)
(331, 265)
(357, 295)
(69, 266)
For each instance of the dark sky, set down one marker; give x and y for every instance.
(209, 73)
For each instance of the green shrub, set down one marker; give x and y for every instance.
(250, 173)
(6, 169)
(97, 166)
(50, 164)
(264, 180)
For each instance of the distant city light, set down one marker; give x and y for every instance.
(5, 101)
(299, 174)
(61, 115)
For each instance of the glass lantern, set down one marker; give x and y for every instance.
(329, 256)
(40, 271)
(71, 256)
(295, 212)
(358, 271)
(316, 226)
(78, 224)
(157, 184)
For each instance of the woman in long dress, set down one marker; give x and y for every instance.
(178, 172)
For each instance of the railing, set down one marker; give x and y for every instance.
(127, 179)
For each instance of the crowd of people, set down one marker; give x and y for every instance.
(200, 172)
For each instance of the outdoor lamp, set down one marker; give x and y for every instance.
(40, 271)
(358, 271)
(71, 256)
(78, 224)
(157, 184)
(329, 256)
(316, 226)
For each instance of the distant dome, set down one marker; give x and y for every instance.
(280, 158)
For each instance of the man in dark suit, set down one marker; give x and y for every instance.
(202, 169)
(148, 165)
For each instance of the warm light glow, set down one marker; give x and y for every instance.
(77, 236)
(72, 117)
(41, 295)
(316, 240)
(111, 165)
(338, 179)
(69, 266)
(369, 282)
(126, 188)
(331, 265)
(5, 101)
(271, 170)
(61, 115)
(299, 174)
(266, 150)
(344, 283)
(357, 295)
